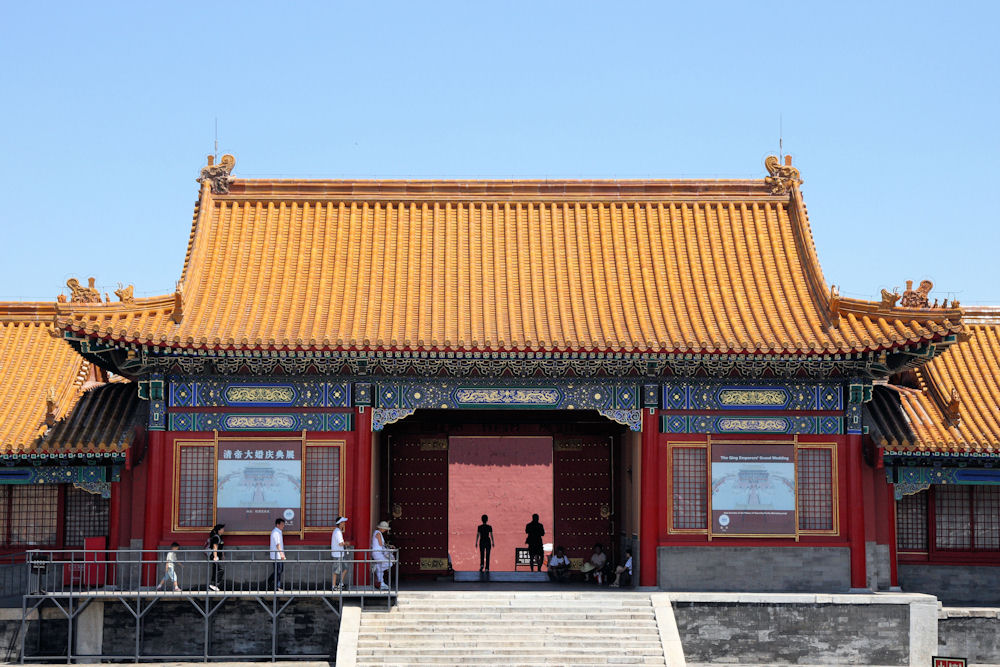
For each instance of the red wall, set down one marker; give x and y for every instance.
(508, 478)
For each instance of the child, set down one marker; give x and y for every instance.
(170, 570)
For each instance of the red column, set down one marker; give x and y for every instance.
(115, 516)
(891, 504)
(363, 479)
(856, 511)
(649, 518)
(154, 502)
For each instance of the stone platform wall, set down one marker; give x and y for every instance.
(953, 584)
(879, 629)
(971, 633)
(754, 569)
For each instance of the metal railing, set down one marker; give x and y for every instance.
(70, 580)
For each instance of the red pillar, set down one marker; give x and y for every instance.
(856, 511)
(154, 503)
(115, 517)
(649, 518)
(891, 504)
(363, 479)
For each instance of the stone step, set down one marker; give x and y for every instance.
(602, 594)
(542, 657)
(570, 659)
(474, 634)
(517, 663)
(534, 619)
(524, 604)
(375, 644)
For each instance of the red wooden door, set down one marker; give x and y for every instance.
(584, 513)
(418, 503)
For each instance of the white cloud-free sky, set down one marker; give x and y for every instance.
(889, 109)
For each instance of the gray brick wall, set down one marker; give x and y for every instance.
(754, 569)
(953, 584)
(239, 628)
(974, 638)
(746, 633)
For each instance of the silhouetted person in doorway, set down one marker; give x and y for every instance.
(484, 540)
(535, 531)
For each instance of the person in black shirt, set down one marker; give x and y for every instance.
(484, 540)
(214, 545)
(535, 531)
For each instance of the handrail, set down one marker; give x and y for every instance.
(98, 573)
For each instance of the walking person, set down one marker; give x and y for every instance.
(381, 555)
(484, 540)
(338, 552)
(170, 569)
(277, 554)
(214, 545)
(536, 554)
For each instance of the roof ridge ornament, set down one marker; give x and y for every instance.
(81, 294)
(783, 177)
(178, 312)
(889, 299)
(125, 294)
(218, 174)
(917, 298)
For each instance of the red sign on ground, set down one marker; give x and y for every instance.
(938, 661)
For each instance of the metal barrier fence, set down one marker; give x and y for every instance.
(71, 580)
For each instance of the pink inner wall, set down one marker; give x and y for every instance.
(507, 477)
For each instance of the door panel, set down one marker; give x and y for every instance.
(584, 512)
(418, 503)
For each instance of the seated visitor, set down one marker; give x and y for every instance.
(559, 565)
(623, 573)
(596, 566)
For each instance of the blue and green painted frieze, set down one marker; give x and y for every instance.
(778, 397)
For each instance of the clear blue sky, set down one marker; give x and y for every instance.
(891, 111)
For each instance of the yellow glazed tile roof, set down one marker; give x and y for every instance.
(957, 405)
(39, 373)
(43, 379)
(561, 266)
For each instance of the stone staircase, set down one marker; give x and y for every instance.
(525, 628)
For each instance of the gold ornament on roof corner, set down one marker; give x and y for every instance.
(124, 294)
(81, 294)
(917, 298)
(889, 299)
(218, 174)
(783, 177)
(953, 409)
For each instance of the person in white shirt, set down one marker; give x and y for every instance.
(277, 554)
(559, 565)
(338, 552)
(381, 555)
(625, 569)
(170, 569)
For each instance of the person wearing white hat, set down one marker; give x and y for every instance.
(381, 555)
(338, 552)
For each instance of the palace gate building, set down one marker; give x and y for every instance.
(657, 365)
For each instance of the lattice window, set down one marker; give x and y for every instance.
(690, 488)
(196, 488)
(911, 522)
(34, 514)
(4, 514)
(815, 482)
(986, 517)
(322, 485)
(86, 516)
(953, 518)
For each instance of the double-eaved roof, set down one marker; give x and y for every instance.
(703, 267)
(955, 406)
(50, 403)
